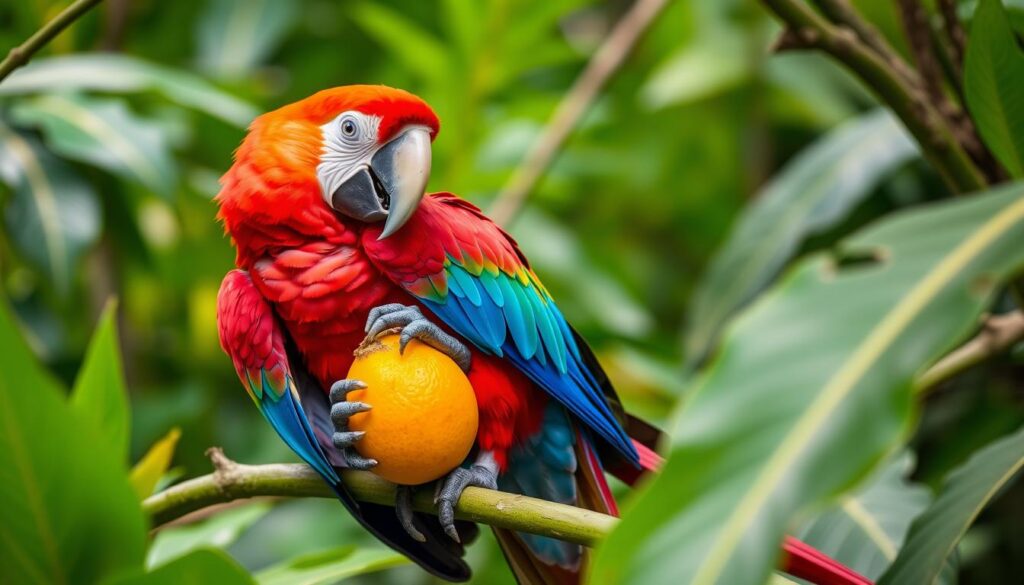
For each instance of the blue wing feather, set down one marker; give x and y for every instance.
(529, 330)
(287, 417)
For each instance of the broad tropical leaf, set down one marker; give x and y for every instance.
(330, 566)
(934, 535)
(812, 193)
(219, 531)
(53, 215)
(199, 567)
(994, 84)
(100, 395)
(120, 73)
(103, 132)
(69, 513)
(812, 387)
(866, 529)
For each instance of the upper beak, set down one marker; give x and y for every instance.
(391, 187)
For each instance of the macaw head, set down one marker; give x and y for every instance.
(363, 149)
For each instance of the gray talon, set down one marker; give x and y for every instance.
(394, 319)
(341, 388)
(415, 326)
(378, 311)
(403, 507)
(341, 410)
(357, 461)
(345, 439)
(483, 474)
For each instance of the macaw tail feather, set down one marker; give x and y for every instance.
(558, 464)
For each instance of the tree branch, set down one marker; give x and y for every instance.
(606, 61)
(21, 54)
(955, 31)
(908, 101)
(233, 481)
(998, 333)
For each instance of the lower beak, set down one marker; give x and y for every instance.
(389, 189)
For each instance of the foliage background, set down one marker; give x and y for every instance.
(621, 228)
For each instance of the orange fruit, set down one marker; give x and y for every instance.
(424, 416)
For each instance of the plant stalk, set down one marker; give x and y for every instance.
(21, 54)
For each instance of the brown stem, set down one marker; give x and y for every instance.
(909, 102)
(606, 62)
(955, 32)
(842, 13)
(21, 54)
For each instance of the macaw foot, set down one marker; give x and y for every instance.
(341, 410)
(415, 326)
(483, 473)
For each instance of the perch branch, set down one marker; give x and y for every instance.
(233, 481)
(998, 333)
(606, 61)
(908, 101)
(20, 55)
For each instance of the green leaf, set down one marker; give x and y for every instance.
(197, 568)
(994, 84)
(108, 72)
(713, 63)
(866, 529)
(964, 494)
(102, 132)
(813, 192)
(811, 389)
(53, 215)
(100, 395)
(154, 464)
(330, 566)
(69, 513)
(219, 531)
(417, 49)
(235, 36)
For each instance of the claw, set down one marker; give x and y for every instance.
(403, 507)
(341, 411)
(357, 461)
(482, 474)
(345, 439)
(341, 388)
(394, 319)
(415, 326)
(378, 311)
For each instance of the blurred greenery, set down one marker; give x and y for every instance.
(705, 155)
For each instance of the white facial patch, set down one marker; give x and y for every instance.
(350, 141)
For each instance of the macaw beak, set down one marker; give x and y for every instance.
(390, 188)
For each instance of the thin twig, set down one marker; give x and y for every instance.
(842, 13)
(955, 32)
(998, 333)
(916, 26)
(606, 61)
(20, 55)
(910, 103)
(233, 481)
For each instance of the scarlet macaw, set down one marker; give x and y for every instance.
(336, 241)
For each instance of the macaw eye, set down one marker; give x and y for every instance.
(348, 127)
